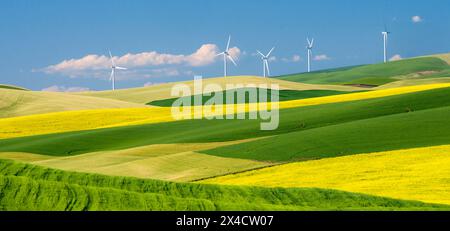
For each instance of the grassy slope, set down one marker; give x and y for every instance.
(284, 95)
(21, 193)
(415, 129)
(174, 162)
(163, 91)
(11, 87)
(414, 82)
(19, 103)
(376, 73)
(371, 81)
(304, 119)
(28, 187)
(445, 57)
(414, 174)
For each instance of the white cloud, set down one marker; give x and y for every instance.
(321, 57)
(293, 59)
(56, 88)
(235, 52)
(97, 65)
(273, 59)
(148, 84)
(396, 58)
(296, 58)
(417, 19)
(169, 72)
(136, 74)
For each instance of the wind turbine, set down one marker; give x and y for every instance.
(226, 56)
(113, 71)
(309, 47)
(385, 34)
(265, 59)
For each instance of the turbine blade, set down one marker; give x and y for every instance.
(222, 53)
(270, 52)
(312, 43)
(228, 44)
(232, 60)
(259, 52)
(121, 68)
(112, 59)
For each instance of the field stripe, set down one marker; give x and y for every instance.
(175, 162)
(79, 120)
(30, 187)
(414, 174)
(361, 95)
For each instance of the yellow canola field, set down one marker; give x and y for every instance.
(361, 95)
(79, 120)
(102, 118)
(421, 174)
(241, 108)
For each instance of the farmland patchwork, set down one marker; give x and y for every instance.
(372, 137)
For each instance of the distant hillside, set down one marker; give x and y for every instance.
(445, 57)
(144, 95)
(4, 86)
(19, 103)
(378, 74)
(283, 95)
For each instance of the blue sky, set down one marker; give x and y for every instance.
(163, 38)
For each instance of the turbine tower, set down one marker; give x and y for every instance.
(265, 59)
(226, 56)
(309, 47)
(385, 34)
(113, 71)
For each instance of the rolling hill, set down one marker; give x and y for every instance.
(378, 74)
(71, 121)
(163, 91)
(12, 87)
(407, 130)
(421, 70)
(19, 103)
(28, 187)
(79, 120)
(300, 120)
(413, 82)
(283, 95)
(174, 162)
(410, 174)
(445, 57)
